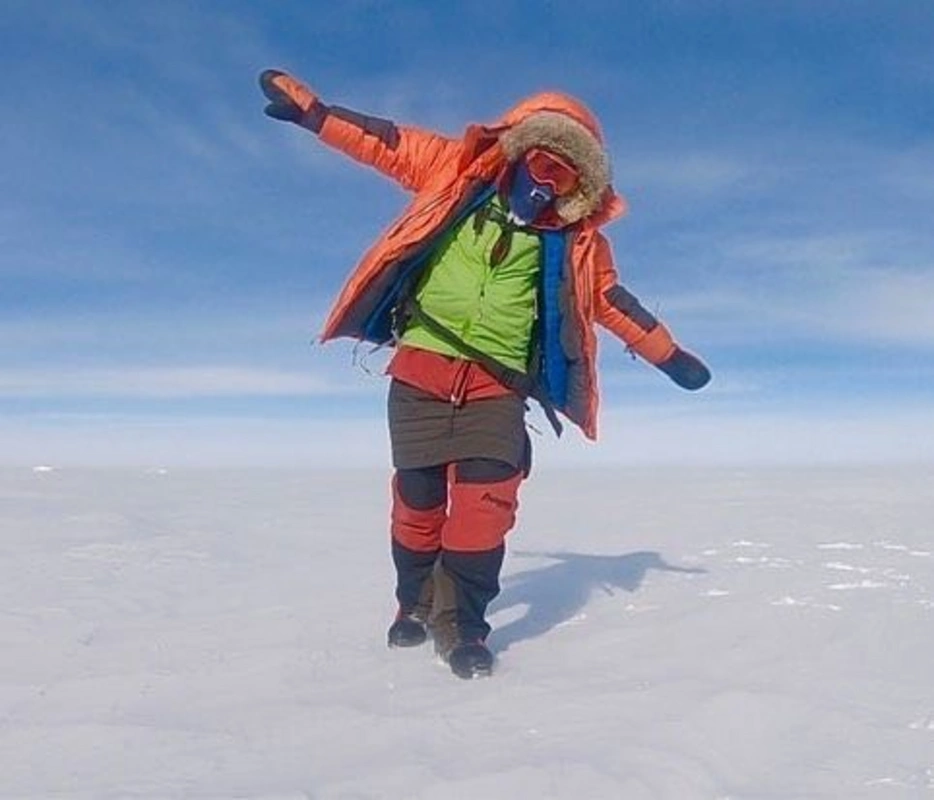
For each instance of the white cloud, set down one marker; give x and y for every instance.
(108, 441)
(688, 433)
(165, 382)
(645, 435)
(859, 288)
(254, 328)
(694, 173)
(39, 245)
(806, 255)
(891, 306)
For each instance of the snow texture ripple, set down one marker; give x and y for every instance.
(716, 635)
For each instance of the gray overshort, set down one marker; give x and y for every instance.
(425, 431)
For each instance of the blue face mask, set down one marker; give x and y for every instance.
(527, 199)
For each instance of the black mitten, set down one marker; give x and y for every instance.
(291, 101)
(687, 370)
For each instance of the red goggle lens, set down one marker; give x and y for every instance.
(546, 167)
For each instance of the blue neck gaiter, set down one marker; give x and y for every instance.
(527, 199)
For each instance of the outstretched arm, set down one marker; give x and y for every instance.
(408, 155)
(620, 311)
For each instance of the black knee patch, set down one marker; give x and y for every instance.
(423, 488)
(484, 470)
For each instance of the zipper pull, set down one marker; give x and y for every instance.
(479, 221)
(501, 248)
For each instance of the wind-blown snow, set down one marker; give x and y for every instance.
(664, 634)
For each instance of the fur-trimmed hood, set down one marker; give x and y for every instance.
(564, 125)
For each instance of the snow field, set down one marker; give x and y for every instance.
(760, 633)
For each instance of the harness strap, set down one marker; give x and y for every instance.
(521, 383)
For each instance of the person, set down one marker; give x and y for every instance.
(488, 287)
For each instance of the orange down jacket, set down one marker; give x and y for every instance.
(443, 173)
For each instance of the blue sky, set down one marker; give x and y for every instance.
(168, 252)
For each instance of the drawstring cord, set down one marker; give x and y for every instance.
(361, 361)
(507, 225)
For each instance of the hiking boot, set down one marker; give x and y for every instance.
(407, 631)
(410, 628)
(471, 660)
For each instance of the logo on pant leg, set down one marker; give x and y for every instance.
(497, 501)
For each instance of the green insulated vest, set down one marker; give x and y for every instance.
(492, 309)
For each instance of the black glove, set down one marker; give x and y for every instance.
(291, 100)
(686, 370)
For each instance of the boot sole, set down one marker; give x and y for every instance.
(408, 635)
(406, 642)
(475, 672)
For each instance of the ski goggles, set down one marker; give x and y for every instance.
(549, 169)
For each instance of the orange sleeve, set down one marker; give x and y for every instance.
(620, 312)
(411, 156)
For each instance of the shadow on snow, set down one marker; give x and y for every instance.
(557, 592)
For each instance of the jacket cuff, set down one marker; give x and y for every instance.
(656, 346)
(313, 119)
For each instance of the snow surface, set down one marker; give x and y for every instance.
(661, 634)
